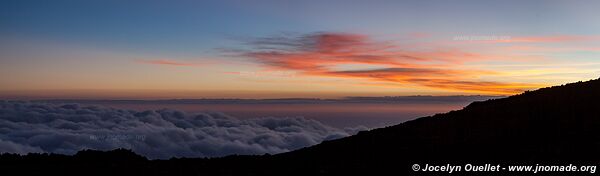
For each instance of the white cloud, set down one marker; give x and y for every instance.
(39, 127)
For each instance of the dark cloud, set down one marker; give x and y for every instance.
(43, 127)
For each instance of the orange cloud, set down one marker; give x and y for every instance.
(170, 62)
(321, 54)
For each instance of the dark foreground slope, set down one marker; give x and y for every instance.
(551, 125)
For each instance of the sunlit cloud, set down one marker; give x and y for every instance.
(322, 54)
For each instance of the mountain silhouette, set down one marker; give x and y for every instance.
(558, 124)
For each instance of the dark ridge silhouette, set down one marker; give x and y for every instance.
(550, 125)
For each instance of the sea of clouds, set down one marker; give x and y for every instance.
(27, 127)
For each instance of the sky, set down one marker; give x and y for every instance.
(276, 49)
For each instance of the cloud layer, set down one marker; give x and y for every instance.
(321, 54)
(67, 128)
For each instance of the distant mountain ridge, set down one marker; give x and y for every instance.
(559, 123)
(385, 99)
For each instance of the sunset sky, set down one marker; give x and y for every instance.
(276, 49)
